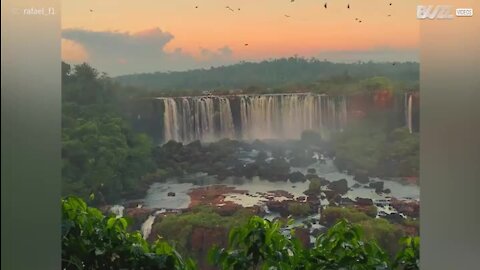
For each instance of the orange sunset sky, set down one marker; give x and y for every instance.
(129, 36)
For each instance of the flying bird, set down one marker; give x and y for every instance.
(390, 4)
(325, 5)
(356, 19)
(292, 1)
(348, 6)
(230, 8)
(91, 10)
(288, 16)
(246, 44)
(389, 15)
(196, 6)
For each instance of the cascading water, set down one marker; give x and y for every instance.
(117, 210)
(147, 225)
(226, 119)
(408, 111)
(269, 116)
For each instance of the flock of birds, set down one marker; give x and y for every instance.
(288, 16)
(292, 1)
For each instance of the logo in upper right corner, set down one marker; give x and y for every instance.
(434, 12)
(442, 12)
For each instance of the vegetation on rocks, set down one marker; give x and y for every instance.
(91, 240)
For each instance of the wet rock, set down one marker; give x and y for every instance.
(280, 207)
(296, 177)
(339, 186)
(356, 185)
(408, 208)
(361, 177)
(387, 191)
(394, 218)
(346, 201)
(311, 171)
(133, 203)
(171, 194)
(378, 186)
(363, 201)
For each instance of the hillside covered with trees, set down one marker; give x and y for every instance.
(276, 74)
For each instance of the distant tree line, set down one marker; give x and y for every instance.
(273, 75)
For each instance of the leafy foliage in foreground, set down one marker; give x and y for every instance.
(409, 256)
(92, 241)
(342, 248)
(259, 244)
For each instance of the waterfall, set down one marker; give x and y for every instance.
(147, 225)
(408, 111)
(226, 119)
(268, 116)
(170, 119)
(117, 210)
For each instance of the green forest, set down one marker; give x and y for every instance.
(285, 74)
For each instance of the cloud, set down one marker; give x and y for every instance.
(380, 54)
(122, 52)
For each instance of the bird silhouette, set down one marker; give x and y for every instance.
(390, 4)
(389, 15)
(246, 44)
(292, 1)
(231, 9)
(348, 6)
(91, 10)
(196, 6)
(288, 16)
(325, 5)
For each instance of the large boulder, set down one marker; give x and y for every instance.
(378, 186)
(339, 186)
(408, 208)
(364, 201)
(296, 177)
(394, 218)
(280, 207)
(361, 177)
(346, 201)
